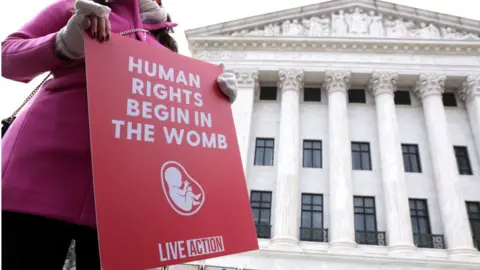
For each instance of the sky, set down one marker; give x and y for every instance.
(190, 14)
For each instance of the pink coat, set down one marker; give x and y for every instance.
(46, 160)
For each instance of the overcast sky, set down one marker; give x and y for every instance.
(191, 14)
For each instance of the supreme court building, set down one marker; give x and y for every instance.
(359, 129)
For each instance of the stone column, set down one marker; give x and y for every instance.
(342, 230)
(470, 94)
(399, 229)
(242, 109)
(430, 87)
(287, 192)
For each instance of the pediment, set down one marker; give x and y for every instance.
(347, 19)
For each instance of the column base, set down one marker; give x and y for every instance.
(343, 244)
(461, 252)
(285, 244)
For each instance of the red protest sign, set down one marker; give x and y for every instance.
(168, 178)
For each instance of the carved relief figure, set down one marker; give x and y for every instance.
(295, 29)
(358, 22)
(317, 26)
(240, 33)
(272, 30)
(376, 26)
(466, 35)
(256, 32)
(450, 33)
(307, 24)
(339, 26)
(433, 30)
(324, 24)
(426, 31)
(397, 28)
(286, 27)
(411, 28)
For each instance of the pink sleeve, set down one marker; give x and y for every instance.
(31, 51)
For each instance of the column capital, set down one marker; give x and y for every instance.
(382, 82)
(429, 84)
(290, 79)
(246, 77)
(470, 88)
(336, 80)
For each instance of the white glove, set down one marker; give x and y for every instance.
(228, 84)
(69, 40)
(151, 12)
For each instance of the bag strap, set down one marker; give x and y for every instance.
(31, 95)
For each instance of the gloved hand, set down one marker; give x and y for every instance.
(87, 15)
(228, 84)
(151, 12)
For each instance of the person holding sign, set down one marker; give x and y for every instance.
(48, 196)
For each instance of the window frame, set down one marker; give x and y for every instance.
(468, 170)
(396, 97)
(474, 219)
(351, 95)
(261, 193)
(417, 216)
(264, 147)
(312, 212)
(309, 90)
(269, 88)
(420, 241)
(312, 150)
(361, 159)
(445, 99)
(409, 155)
(365, 213)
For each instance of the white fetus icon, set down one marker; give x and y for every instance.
(182, 197)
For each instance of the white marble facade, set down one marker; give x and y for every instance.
(337, 46)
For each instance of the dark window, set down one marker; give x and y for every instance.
(449, 99)
(420, 222)
(356, 96)
(268, 93)
(261, 203)
(312, 218)
(463, 162)
(473, 210)
(402, 98)
(365, 220)
(411, 158)
(312, 154)
(264, 152)
(312, 94)
(361, 156)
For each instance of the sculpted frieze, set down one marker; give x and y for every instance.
(358, 23)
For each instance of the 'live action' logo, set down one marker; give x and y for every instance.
(190, 248)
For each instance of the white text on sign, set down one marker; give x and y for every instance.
(190, 248)
(159, 107)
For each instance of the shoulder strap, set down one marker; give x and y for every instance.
(31, 95)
